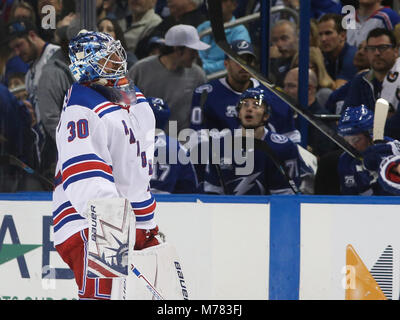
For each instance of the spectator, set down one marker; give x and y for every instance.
(213, 58)
(185, 12)
(336, 99)
(112, 9)
(16, 139)
(26, 43)
(355, 125)
(326, 85)
(176, 74)
(154, 45)
(317, 142)
(213, 104)
(168, 176)
(31, 48)
(141, 23)
(338, 53)
(112, 27)
(263, 178)
(371, 15)
(16, 85)
(23, 10)
(284, 37)
(367, 87)
(57, 76)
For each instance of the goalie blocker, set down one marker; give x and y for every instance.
(139, 270)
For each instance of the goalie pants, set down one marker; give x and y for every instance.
(74, 253)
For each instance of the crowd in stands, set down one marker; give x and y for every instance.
(173, 60)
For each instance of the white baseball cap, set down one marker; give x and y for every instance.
(183, 35)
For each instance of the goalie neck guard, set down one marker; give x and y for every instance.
(96, 55)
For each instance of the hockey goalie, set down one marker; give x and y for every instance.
(103, 211)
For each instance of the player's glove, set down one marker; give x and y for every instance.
(374, 154)
(389, 179)
(146, 238)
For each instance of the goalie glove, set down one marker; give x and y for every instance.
(374, 154)
(146, 238)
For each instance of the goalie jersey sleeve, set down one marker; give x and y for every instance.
(104, 151)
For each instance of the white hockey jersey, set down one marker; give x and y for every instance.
(105, 150)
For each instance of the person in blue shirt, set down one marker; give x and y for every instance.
(170, 175)
(16, 139)
(338, 53)
(213, 58)
(258, 175)
(355, 125)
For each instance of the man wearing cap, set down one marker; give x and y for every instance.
(24, 40)
(173, 75)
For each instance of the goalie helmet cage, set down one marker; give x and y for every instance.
(215, 15)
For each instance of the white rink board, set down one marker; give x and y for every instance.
(224, 254)
(326, 230)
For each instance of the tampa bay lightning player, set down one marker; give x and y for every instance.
(170, 174)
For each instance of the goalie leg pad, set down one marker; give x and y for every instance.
(164, 269)
(110, 238)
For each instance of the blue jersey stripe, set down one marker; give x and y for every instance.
(143, 204)
(103, 113)
(144, 218)
(87, 175)
(68, 218)
(83, 157)
(61, 208)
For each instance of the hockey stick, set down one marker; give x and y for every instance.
(215, 15)
(146, 283)
(380, 115)
(14, 161)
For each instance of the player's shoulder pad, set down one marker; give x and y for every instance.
(84, 96)
(139, 96)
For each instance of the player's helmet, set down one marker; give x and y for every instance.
(88, 48)
(355, 120)
(161, 111)
(254, 93)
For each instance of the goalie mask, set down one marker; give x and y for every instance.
(96, 55)
(355, 120)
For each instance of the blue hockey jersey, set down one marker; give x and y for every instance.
(214, 106)
(264, 178)
(170, 175)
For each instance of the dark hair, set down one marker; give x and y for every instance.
(337, 19)
(119, 34)
(375, 33)
(19, 28)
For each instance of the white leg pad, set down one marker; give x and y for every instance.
(163, 269)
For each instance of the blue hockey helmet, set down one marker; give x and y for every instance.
(258, 94)
(161, 111)
(355, 120)
(88, 48)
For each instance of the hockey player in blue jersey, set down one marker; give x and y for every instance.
(214, 103)
(356, 177)
(170, 175)
(253, 113)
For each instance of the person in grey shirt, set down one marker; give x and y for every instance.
(173, 75)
